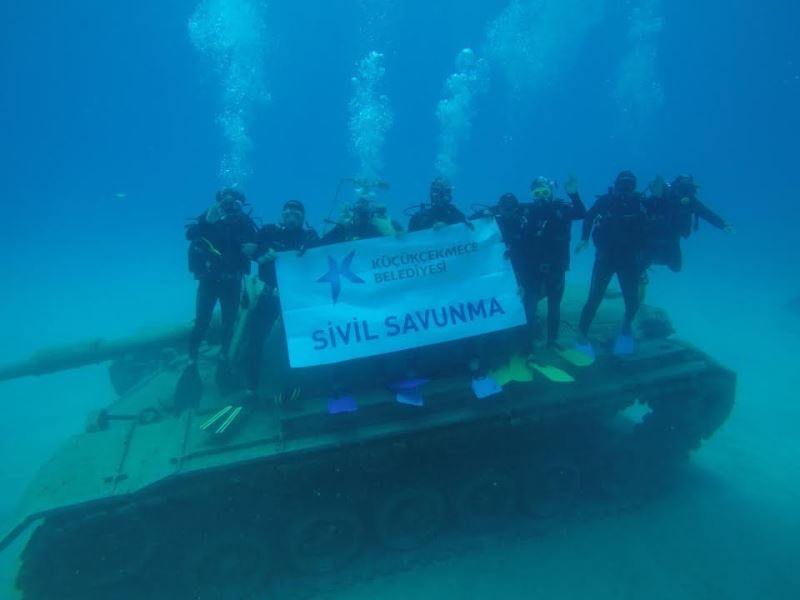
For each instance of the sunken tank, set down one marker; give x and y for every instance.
(328, 477)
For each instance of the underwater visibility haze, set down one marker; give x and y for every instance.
(121, 120)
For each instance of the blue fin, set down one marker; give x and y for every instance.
(624, 345)
(483, 387)
(342, 404)
(412, 397)
(408, 384)
(586, 349)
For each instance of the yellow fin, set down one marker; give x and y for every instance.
(517, 369)
(520, 371)
(502, 375)
(554, 374)
(575, 357)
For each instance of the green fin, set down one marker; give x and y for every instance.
(554, 374)
(517, 369)
(520, 371)
(502, 375)
(575, 357)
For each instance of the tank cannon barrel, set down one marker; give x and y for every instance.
(98, 350)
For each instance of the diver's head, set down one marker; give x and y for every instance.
(507, 205)
(293, 214)
(542, 189)
(230, 201)
(441, 192)
(362, 210)
(684, 187)
(625, 183)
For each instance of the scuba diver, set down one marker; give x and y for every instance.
(511, 217)
(362, 221)
(220, 250)
(292, 233)
(616, 223)
(440, 212)
(547, 235)
(673, 212)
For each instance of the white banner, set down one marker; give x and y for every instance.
(381, 295)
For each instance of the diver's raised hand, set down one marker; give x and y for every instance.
(213, 214)
(571, 185)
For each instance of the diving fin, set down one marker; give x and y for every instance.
(408, 391)
(519, 369)
(411, 397)
(586, 349)
(501, 375)
(342, 404)
(516, 370)
(552, 373)
(624, 345)
(483, 387)
(189, 389)
(408, 384)
(577, 357)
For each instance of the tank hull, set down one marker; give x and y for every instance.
(291, 492)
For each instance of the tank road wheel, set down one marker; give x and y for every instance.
(76, 557)
(407, 518)
(485, 498)
(323, 540)
(378, 461)
(221, 563)
(551, 488)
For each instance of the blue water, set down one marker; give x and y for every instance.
(112, 117)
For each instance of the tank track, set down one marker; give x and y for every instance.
(309, 525)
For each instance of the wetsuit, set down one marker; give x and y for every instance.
(361, 230)
(616, 223)
(278, 239)
(430, 214)
(218, 263)
(669, 220)
(546, 257)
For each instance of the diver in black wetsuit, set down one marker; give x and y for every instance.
(616, 223)
(673, 212)
(220, 250)
(440, 212)
(362, 221)
(290, 234)
(546, 240)
(511, 217)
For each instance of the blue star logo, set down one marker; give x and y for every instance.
(336, 272)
